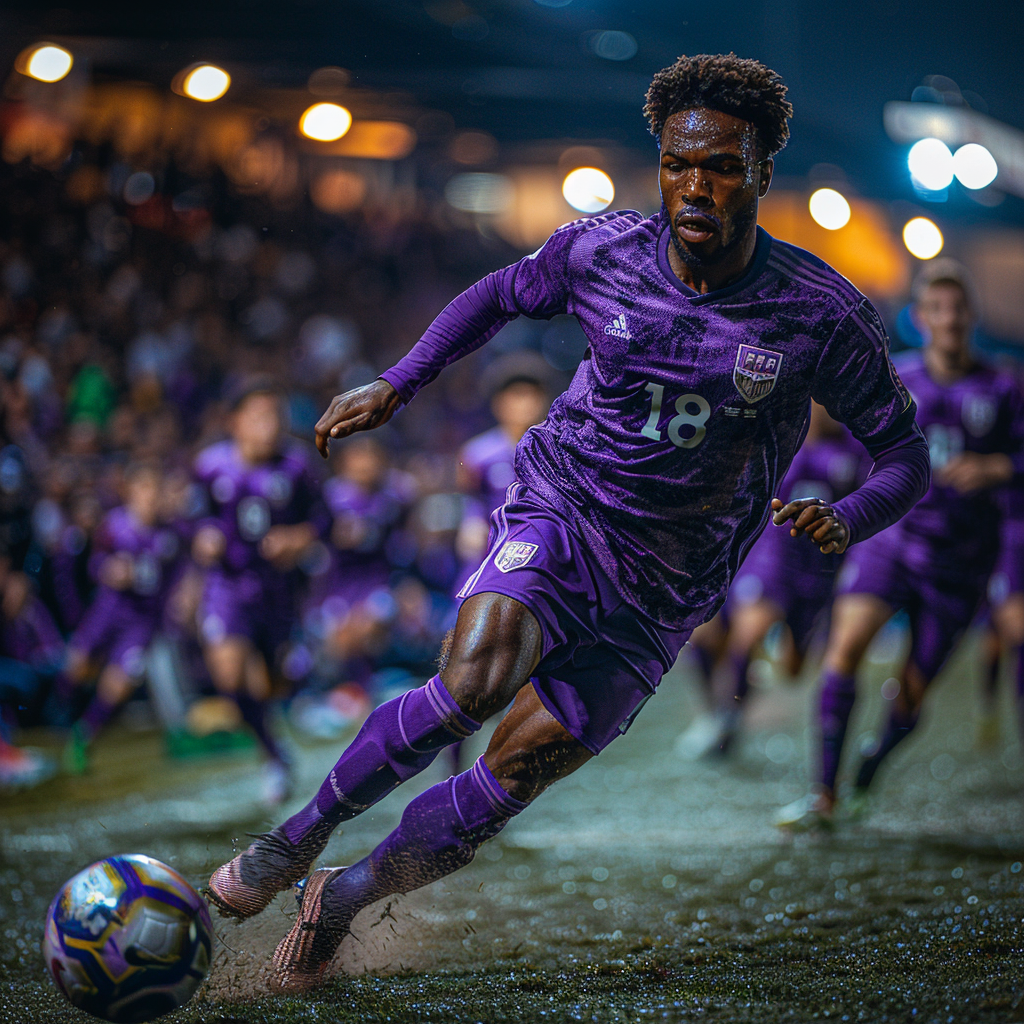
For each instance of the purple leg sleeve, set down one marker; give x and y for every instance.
(254, 714)
(899, 728)
(96, 716)
(396, 742)
(439, 833)
(838, 693)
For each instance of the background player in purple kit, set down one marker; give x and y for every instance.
(635, 500)
(1004, 641)
(265, 510)
(780, 582)
(134, 553)
(936, 561)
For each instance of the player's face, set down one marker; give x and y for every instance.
(520, 406)
(257, 426)
(364, 464)
(945, 317)
(711, 179)
(144, 496)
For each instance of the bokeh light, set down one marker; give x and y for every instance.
(931, 164)
(829, 209)
(480, 193)
(206, 83)
(48, 63)
(588, 189)
(974, 166)
(325, 122)
(923, 238)
(613, 45)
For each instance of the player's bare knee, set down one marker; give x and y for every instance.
(495, 648)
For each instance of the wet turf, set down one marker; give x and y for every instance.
(643, 888)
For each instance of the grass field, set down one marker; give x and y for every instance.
(643, 888)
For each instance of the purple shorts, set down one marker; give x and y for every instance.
(803, 598)
(940, 608)
(114, 631)
(600, 658)
(250, 605)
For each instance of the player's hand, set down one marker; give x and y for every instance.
(816, 519)
(116, 572)
(283, 546)
(361, 409)
(208, 546)
(970, 471)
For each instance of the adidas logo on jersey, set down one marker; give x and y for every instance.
(618, 329)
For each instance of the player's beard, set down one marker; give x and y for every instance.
(739, 226)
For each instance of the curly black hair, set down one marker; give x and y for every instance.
(722, 81)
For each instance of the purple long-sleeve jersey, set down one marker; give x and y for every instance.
(246, 501)
(152, 550)
(687, 409)
(948, 533)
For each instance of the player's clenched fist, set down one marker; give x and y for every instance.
(360, 409)
(815, 518)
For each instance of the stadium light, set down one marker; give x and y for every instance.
(931, 164)
(829, 209)
(46, 62)
(589, 190)
(922, 237)
(974, 166)
(325, 122)
(206, 83)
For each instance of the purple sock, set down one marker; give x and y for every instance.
(899, 728)
(439, 833)
(96, 716)
(396, 742)
(739, 667)
(838, 693)
(254, 714)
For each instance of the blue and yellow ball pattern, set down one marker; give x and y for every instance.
(128, 939)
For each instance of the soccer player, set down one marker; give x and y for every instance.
(520, 401)
(635, 500)
(781, 582)
(1005, 635)
(936, 561)
(134, 553)
(265, 510)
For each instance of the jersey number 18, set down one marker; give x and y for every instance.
(692, 412)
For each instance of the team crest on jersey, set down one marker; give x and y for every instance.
(979, 414)
(514, 555)
(755, 372)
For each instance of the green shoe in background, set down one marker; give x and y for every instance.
(75, 758)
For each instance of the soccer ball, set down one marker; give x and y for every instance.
(127, 939)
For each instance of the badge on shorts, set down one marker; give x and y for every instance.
(514, 555)
(755, 372)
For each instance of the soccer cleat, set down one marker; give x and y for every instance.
(75, 758)
(808, 814)
(856, 806)
(304, 954)
(248, 883)
(707, 736)
(22, 768)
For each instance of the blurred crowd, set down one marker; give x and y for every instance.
(140, 321)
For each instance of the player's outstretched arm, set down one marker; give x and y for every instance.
(360, 409)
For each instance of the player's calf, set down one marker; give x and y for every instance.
(397, 741)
